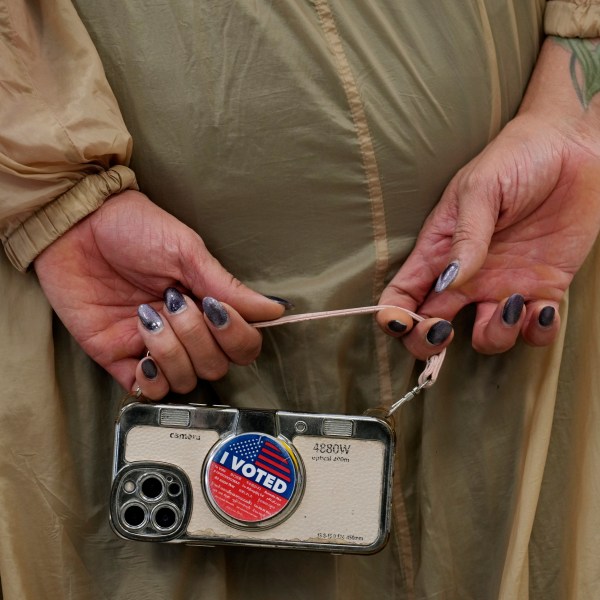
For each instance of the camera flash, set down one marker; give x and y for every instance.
(338, 427)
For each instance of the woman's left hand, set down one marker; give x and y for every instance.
(515, 224)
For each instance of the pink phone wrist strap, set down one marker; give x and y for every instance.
(432, 365)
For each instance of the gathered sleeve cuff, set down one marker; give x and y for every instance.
(572, 18)
(48, 223)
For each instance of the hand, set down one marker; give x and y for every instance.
(515, 224)
(126, 254)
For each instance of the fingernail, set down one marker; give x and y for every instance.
(149, 369)
(513, 308)
(396, 326)
(447, 277)
(215, 312)
(285, 303)
(174, 300)
(439, 332)
(546, 317)
(150, 318)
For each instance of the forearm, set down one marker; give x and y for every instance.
(565, 84)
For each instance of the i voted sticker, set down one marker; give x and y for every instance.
(251, 478)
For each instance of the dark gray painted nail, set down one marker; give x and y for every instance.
(285, 303)
(174, 300)
(150, 318)
(546, 317)
(448, 276)
(512, 309)
(439, 332)
(215, 312)
(396, 326)
(149, 369)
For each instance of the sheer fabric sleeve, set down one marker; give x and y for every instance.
(64, 147)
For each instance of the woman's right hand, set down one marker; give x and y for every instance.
(107, 280)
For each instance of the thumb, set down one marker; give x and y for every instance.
(477, 207)
(453, 241)
(204, 276)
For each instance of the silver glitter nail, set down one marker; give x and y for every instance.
(149, 318)
(448, 276)
(215, 312)
(174, 301)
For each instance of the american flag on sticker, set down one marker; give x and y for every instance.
(264, 455)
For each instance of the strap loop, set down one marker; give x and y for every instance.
(432, 365)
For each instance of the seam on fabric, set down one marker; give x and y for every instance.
(371, 169)
(495, 94)
(533, 462)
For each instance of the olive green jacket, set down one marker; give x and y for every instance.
(306, 142)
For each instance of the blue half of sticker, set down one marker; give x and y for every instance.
(261, 459)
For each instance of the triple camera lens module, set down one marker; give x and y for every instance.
(152, 502)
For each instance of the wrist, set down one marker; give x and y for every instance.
(565, 84)
(564, 90)
(52, 221)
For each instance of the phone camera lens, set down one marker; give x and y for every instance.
(152, 487)
(134, 515)
(165, 517)
(174, 489)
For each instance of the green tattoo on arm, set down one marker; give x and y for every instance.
(585, 54)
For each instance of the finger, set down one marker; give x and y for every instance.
(150, 380)
(166, 349)
(446, 305)
(413, 281)
(204, 276)
(123, 371)
(187, 321)
(428, 337)
(239, 341)
(394, 321)
(451, 247)
(542, 323)
(497, 325)
(477, 198)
